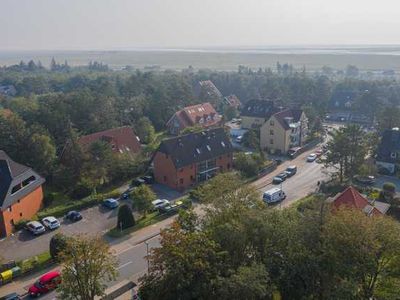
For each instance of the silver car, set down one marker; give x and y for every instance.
(35, 227)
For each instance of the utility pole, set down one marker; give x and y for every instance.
(147, 255)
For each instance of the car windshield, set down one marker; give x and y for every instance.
(38, 284)
(53, 222)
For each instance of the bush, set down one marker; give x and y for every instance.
(57, 243)
(125, 217)
(389, 187)
(81, 191)
(20, 224)
(246, 164)
(48, 199)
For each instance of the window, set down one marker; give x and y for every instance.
(18, 201)
(181, 181)
(191, 178)
(181, 170)
(271, 123)
(271, 132)
(228, 166)
(28, 181)
(20, 214)
(165, 178)
(16, 188)
(271, 141)
(393, 154)
(10, 209)
(12, 222)
(208, 148)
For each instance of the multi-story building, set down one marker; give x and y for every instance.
(256, 112)
(21, 193)
(388, 154)
(284, 130)
(184, 161)
(203, 115)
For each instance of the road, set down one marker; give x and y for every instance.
(96, 220)
(132, 265)
(131, 250)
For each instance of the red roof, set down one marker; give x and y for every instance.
(201, 114)
(233, 101)
(122, 139)
(350, 197)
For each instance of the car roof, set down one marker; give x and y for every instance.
(272, 191)
(111, 200)
(50, 218)
(291, 167)
(49, 276)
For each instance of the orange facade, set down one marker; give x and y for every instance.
(183, 178)
(25, 208)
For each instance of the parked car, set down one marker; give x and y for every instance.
(160, 203)
(291, 170)
(48, 282)
(311, 157)
(281, 177)
(51, 222)
(73, 216)
(35, 227)
(171, 208)
(13, 296)
(293, 152)
(319, 152)
(148, 179)
(110, 203)
(239, 139)
(137, 182)
(367, 180)
(274, 195)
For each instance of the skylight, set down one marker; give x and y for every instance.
(198, 150)
(222, 144)
(208, 147)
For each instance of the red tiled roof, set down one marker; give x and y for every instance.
(201, 114)
(233, 100)
(122, 139)
(350, 197)
(210, 87)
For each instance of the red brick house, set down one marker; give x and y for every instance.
(185, 161)
(21, 193)
(203, 115)
(121, 140)
(352, 198)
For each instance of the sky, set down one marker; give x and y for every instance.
(130, 24)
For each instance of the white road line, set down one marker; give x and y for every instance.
(125, 264)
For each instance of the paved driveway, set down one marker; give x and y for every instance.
(96, 220)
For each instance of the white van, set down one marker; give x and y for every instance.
(274, 195)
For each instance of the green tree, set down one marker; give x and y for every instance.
(145, 130)
(142, 197)
(346, 151)
(251, 139)
(246, 164)
(58, 244)
(125, 217)
(389, 118)
(192, 129)
(88, 265)
(230, 112)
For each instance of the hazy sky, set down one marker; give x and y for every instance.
(125, 24)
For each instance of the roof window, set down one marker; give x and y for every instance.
(208, 147)
(198, 150)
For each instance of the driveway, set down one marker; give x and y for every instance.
(96, 220)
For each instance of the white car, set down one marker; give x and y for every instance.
(312, 157)
(51, 223)
(160, 203)
(35, 227)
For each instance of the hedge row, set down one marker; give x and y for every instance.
(61, 210)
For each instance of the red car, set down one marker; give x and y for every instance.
(45, 284)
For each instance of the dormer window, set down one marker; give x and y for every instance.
(393, 155)
(198, 150)
(208, 147)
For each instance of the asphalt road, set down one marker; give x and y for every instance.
(96, 220)
(132, 264)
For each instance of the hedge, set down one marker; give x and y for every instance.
(61, 210)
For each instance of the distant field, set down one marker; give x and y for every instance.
(218, 60)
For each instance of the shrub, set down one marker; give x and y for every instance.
(125, 217)
(48, 199)
(20, 224)
(389, 187)
(81, 191)
(246, 164)
(57, 243)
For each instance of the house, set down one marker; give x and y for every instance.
(21, 193)
(342, 99)
(203, 115)
(208, 92)
(8, 90)
(184, 161)
(232, 101)
(256, 112)
(121, 140)
(351, 198)
(388, 153)
(284, 130)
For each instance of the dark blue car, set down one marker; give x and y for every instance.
(110, 203)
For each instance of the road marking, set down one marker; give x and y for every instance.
(125, 264)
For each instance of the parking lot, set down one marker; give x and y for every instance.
(96, 220)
